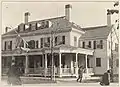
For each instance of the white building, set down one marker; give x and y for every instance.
(73, 46)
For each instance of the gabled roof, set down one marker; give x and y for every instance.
(63, 25)
(96, 32)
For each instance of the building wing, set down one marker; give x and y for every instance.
(96, 32)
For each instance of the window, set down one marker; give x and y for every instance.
(89, 44)
(75, 41)
(117, 62)
(36, 26)
(30, 26)
(41, 43)
(116, 47)
(55, 41)
(59, 40)
(18, 29)
(8, 45)
(47, 42)
(101, 44)
(98, 62)
(63, 39)
(31, 44)
(5, 45)
(94, 44)
(24, 27)
(83, 44)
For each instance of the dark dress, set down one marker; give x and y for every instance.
(105, 79)
(14, 75)
(80, 72)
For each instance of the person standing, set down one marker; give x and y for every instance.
(14, 75)
(106, 78)
(80, 74)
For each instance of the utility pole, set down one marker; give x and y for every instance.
(112, 59)
(112, 75)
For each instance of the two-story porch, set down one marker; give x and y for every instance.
(67, 59)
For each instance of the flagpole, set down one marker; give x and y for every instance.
(19, 35)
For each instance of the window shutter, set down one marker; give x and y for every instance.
(10, 45)
(94, 44)
(5, 45)
(63, 39)
(37, 44)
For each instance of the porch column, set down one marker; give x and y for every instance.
(71, 61)
(60, 69)
(26, 65)
(86, 63)
(76, 64)
(45, 64)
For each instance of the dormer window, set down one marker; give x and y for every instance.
(83, 44)
(36, 26)
(18, 28)
(24, 27)
(89, 44)
(30, 26)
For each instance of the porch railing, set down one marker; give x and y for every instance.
(90, 70)
(66, 70)
(36, 71)
(5, 70)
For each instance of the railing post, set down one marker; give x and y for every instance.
(86, 64)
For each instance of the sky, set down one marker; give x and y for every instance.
(85, 14)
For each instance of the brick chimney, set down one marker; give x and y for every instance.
(108, 17)
(27, 14)
(68, 8)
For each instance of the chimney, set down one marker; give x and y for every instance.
(108, 17)
(68, 8)
(27, 14)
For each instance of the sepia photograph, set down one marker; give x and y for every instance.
(60, 43)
